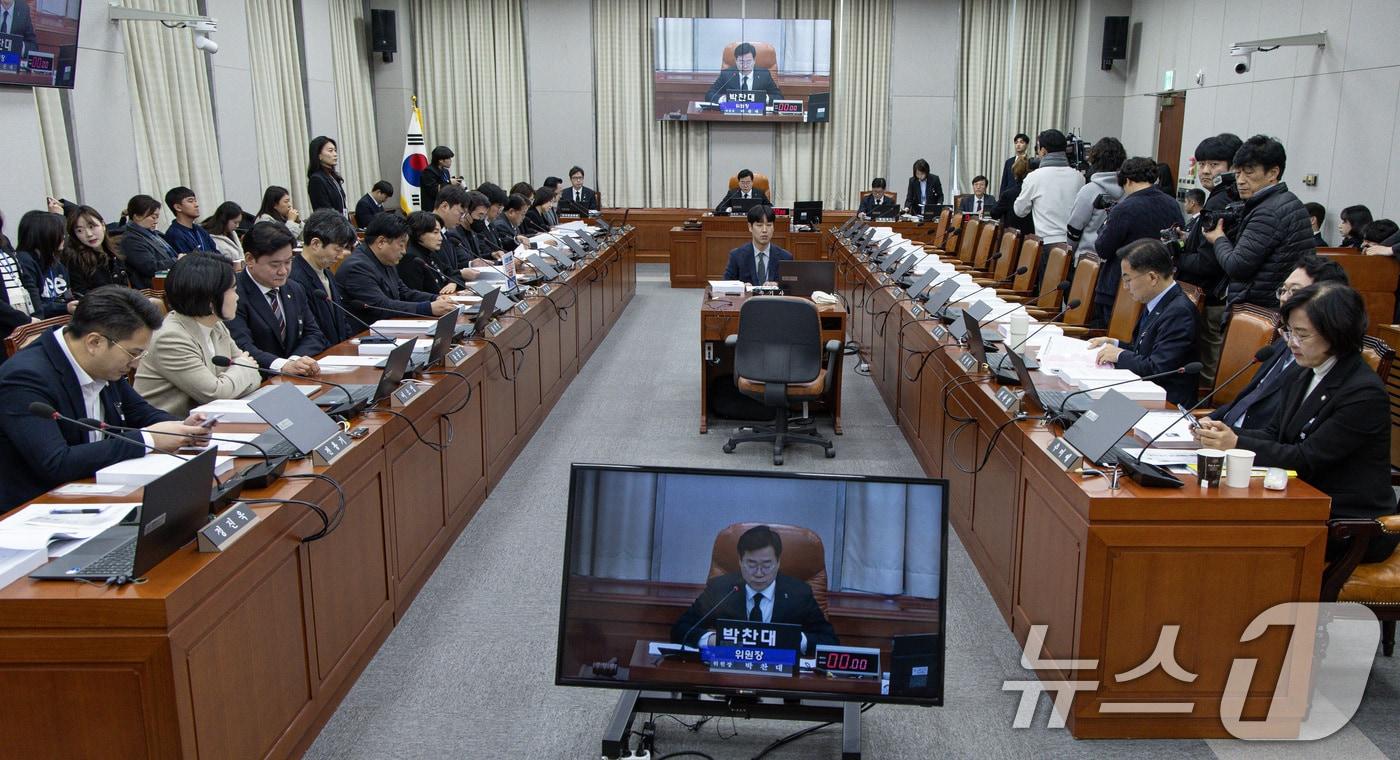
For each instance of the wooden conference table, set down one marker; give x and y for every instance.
(1104, 569)
(246, 653)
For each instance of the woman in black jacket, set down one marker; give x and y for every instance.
(40, 239)
(90, 255)
(1333, 425)
(325, 186)
(1351, 223)
(925, 191)
(535, 222)
(1004, 209)
(145, 250)
(438, 173)
(419, 268)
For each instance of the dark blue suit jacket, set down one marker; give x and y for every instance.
(335, 326)
(255, 330)
(969, 203)
(741, 264)
(792, 603)
(1165, 339)
(38, 454)
(368, 283)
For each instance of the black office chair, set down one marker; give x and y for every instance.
(778, 360)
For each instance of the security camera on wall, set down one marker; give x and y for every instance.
(1246, 55)
(1245, 50)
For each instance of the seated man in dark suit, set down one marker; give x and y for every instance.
(1255, 405)
(372, 204)
(979, 202)
(274, 321)
(576, 198)
(768, 596)
(372, 285)
(877, 205)
(80, 370)
(328, 238)
(14, 19)
(745, 191)
(1165, 335)
(757, 262)
(744, 77)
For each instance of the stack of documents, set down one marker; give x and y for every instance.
(238, 410)
(365, 359)
(405, 325)
(1175, 430)
(376, 350)
(139, 472)
(727, 287)
(41, 531)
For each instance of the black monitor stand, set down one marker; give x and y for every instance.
(740, 706)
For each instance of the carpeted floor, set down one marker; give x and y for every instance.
(469, 673)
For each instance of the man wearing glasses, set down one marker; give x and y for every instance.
(81, 371)
(759, 593)
(1256, 404)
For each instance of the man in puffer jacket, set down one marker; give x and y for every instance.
(1274, 233)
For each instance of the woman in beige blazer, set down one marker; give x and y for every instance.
(178, 372)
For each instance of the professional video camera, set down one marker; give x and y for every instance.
(1104, 201)
(1077, 151)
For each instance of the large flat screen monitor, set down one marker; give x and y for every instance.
(730, 69)
(39, 42)
(723, 582)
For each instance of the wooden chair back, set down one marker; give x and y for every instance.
(1124, 317)
(967, 240)
(1195, 295)
(765, 55)
(890, 194)
(1378, 355)
(986, 238)
(1374, 277)
(1390, 335)
(1010, 242)
(760, 182)
(940, 233)
(1249, 329)
(1081, 288)
(26, 334)
(1030, 259)
(1056, 271)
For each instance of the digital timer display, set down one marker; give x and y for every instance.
(787, 107)
(848, 661)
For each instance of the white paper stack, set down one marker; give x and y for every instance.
(1037, 333)
(238, 410)
(727, 287)
(37, 528)
(1177, 430)
(405, 325)
(363, 360)
(1063, 353)
(384, 349)
(139, 472)
(17, 563)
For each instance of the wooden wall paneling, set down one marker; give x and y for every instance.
(464, 461)
(418, 506)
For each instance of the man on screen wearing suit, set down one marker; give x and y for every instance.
(745, 191)
(274, 321)
(577, 198)
(744, 77)
(1165, 335)
(14, 19)
(759, 593)
(757, 262)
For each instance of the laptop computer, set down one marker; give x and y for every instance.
(807, 212)
(802, 278)
(884, 209)
(1097, 431)
(916, 288)
(484, 313)
(173, 509)
(940, 295)
(977, 311)
(741, 206)
(296, 425)
(443, 333)
(545, 270)
(395, 367)
(562, 259)
(1050, 402)
(974, 337)
(905, 264)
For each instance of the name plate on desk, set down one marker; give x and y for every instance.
(1064, 454)
(1007, 399)
(331, 449)
(870, 267)
(404, 394)
(494, 328)
(546, 289)
(457, 355)
(223, 530)
(917, 311)
(968, 362)
(940, 332)
(522, 307)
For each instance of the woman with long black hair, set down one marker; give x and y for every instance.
(40, 240)
(88, 252)
(277, 207)
(438, 174)
(222, 225)
(323, 183)
(145, 250)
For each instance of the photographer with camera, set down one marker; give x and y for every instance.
(1087, 216)
(1196, 264)
(1048, 192)
(1273, 231)
(1143, 213)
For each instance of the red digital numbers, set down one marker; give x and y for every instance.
(846, 661)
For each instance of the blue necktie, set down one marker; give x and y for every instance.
(1241, 407)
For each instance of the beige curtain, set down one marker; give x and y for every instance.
(470, 73)
(1021, 83)
(354, 102)
(59, 176)
(171, 112)
(279, 105)
(642, 161)
(833, 162)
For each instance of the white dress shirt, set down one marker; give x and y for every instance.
(277, 364)
(1319, 372)
(765, 606)
(92, 391)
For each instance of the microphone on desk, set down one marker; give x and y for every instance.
(1000, 367)
(1019, 271)
(1146, 474)
(254, 476)
(681, 652)
(223, 492)
(1189, 369)
(381, 337)
(439, 273)
(346, 409)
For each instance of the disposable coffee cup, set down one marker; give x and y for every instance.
(1239, 464)
(1210, 465)
(1016, 332)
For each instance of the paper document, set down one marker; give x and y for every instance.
(17, 563)
(37, 526)
(1154, 424)
(1178, 458)
(351, 361)
(1064, 353)
(91, 489)
(405, 325)
(139, 472)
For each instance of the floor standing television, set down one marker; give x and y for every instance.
(827, 587)
(39, 43)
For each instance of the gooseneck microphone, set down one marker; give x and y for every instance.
(347, 409)
(254, 476)
(732, 591)
(380, 337)
(1145, 474)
